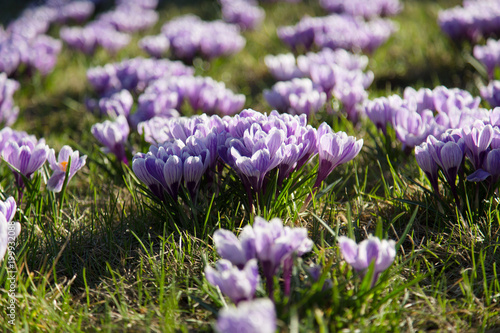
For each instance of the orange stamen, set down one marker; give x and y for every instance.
(63, 165)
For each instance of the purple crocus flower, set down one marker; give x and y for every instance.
(275, 246)
(113, 135)
(117, 104)
(448, 155)
(334, 149)
(83, 39)
(257, 316)
(478, 142)
(156, 46)
(8, 230)
(237, 250)
(59, 166)
(245, 14)
(381, 110)
(488, 55)
(491, 93)
(491, 167)
(238, 285)
(283, 67)
(426, 162)
(78, 11)
(43, 53)
(307, 103)
(372, 250)
(161, 169)
(27, 156)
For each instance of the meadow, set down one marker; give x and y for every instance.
(105, 254)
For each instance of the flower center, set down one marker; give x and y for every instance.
(63, 165)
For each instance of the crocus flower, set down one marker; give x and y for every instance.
(8, 230)
(478, 142)
(27, 156)
(257, 316)
(117, 104)
(449, 157)
(334, 149)
(282, 66)
(372, 250)
(275, 246)
(491, 93)
(238, 285)
(161, 169)
(491, 167)
(59, 166)
(245, 14)
(155, 46)
(237, 250)
(426, 162)
(113, 135)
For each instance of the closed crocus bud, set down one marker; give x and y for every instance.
(141, 171)
(113, 135)
(427, 164)
(59, 166)
(449, 158)
(238, 285)
(257, 316)
(372, 250)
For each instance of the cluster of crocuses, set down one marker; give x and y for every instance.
(133, 74)
(253, 144)
(269, 244)
(473, 20)
(366, 9)
(336, 73)
(273, 247)
(8, 111)
(24, 43)
(479, 142)
(424, 112)
(337, 31)
(245, 13)
(188, 36)
(25, 155)
(164, 96)
(111, 29)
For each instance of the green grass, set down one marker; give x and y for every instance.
(115, 259)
